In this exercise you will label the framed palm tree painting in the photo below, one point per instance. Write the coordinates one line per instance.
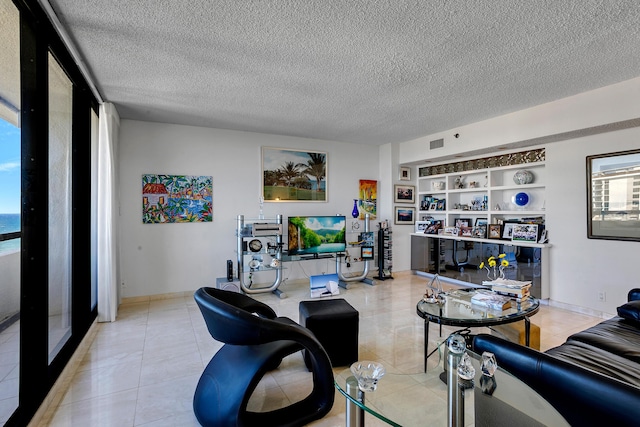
(293, 175)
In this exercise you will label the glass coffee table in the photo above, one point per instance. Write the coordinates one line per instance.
(417, 399)
(456, 310)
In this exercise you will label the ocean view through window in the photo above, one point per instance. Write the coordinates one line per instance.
(10, 208)
(10, 194)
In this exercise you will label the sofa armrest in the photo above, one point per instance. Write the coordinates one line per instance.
(633, 295)
(581, 396)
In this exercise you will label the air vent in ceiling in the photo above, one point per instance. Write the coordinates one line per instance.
(437, 143)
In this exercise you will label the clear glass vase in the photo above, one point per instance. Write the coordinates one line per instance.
(495, 273)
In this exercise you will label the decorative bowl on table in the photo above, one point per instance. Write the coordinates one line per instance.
(368, 374)
(433, 298)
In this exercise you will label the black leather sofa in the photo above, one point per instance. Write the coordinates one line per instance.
(591, 379)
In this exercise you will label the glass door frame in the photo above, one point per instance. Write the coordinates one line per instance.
(37, 376)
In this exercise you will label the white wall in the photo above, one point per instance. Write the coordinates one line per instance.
(158, 259)
(165, 258)
(389, 176)
(579, 267)
(582, 267)
(600, 107)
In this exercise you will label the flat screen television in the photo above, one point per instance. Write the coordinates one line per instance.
(316, 235)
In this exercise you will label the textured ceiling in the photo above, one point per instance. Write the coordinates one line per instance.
(354, 71)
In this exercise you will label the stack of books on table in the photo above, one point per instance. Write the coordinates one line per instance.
(515, 289)
(490, 300)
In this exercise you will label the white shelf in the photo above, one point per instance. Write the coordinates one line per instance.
(518, 212)
(495, 184)
(490, 241)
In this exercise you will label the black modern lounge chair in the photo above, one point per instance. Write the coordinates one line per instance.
(255, 340)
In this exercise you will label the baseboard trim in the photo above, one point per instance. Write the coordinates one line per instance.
(581, 310)
(189, 294)
(156, 297)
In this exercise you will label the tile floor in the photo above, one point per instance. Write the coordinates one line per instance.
(9, 370)
(142, 369)
(59, 332)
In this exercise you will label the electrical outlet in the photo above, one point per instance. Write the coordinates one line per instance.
(602, 296)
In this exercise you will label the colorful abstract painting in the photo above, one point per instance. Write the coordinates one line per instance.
(368, 195)
(176, 198)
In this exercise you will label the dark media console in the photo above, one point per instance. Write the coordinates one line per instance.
(316, 256)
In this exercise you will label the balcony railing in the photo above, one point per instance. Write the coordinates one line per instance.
(10, 284)
(10, 236)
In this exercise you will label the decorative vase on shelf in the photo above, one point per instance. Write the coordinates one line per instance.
(521, 199)
(523, 177)
(355, 213)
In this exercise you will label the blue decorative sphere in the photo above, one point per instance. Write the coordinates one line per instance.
(521, 199)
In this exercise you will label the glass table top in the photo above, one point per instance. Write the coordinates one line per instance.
(457, 309)
(416, 399)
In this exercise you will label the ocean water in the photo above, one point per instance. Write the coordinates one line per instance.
(8, 224)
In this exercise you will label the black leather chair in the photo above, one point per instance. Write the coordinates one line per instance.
(255, 340)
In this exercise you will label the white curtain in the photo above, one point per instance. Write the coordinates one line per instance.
(108, 278)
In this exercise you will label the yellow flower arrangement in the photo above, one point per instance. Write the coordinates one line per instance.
(492, 263)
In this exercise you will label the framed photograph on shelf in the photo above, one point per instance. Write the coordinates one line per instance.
(452, 231)
(367, 238)
(422, 225)
(480, 221)
(433, 227)
(463, 222)
(480, 232)
(405, 173)
(404, 193)
(612, 182)
(367, 252)
(507, 230)
(495, 231)
(442, 205)
(525, 233)
(433, 206)
(543, 236)
(466, 231)
(424, 203)
(405, 215)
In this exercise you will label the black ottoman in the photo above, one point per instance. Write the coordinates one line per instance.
(335, 323)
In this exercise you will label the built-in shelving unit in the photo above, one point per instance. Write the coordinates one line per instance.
(483, 193)
(482, 189)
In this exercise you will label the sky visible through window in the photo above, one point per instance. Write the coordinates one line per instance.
(9, 168)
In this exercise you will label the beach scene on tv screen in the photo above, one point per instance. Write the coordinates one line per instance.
(316, 234)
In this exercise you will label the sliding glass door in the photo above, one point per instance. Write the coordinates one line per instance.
(60, 172)
(48, 137)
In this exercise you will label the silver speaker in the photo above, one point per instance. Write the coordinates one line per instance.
(230, 286)
(222, 283)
